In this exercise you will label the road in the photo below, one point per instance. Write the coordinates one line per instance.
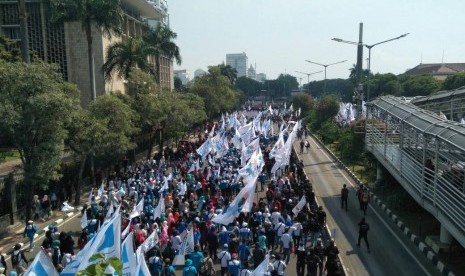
(391, 252)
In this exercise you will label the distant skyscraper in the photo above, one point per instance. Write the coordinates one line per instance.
(251, 74)
(199, 73)
(261, 77)
(238, 62)
(183, 75)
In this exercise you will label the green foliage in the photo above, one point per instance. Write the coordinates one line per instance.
(216, 91)
(453, 82)
(250, 87)
(329, 131)
(118, 117)
(351, 145)
(9, 50)
(178, 84)
(303, 101)
(419, 85)
(282, 86)
(384, 84)
(343, 89)
(326, 109)
(35, 107)
(366, 74)
(107, 15)
(123, 56)
(229, 72)
(160, 39)
(98, 269)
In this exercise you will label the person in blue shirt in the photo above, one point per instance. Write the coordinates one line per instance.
(244, 254)
(167, 269)
(196, 257)
(29, 232)
(224, 235)
(234, 265)
(189, 269)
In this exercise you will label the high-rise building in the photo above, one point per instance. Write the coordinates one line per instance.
(183, 75)
(251, 73)
(238, 62)
(261, 77)
(66, 44)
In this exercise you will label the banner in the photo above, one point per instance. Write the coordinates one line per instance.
(150, 242)
(205, 148)
(187, 247)
(128, 256)
(262, 268)
(84, 221)
(300, 205)
(42, 265)
(160, 208)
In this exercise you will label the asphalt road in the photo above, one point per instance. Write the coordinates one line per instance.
(391, 252)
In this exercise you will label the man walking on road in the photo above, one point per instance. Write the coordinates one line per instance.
(344, 196)
(363, 233)
(29, 232)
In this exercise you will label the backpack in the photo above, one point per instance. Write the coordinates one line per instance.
(166, 271)
(15, 258)
(203, 267)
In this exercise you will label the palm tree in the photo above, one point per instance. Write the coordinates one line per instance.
(105, 15)
(161, 40)
(229, 72)
(123, 56)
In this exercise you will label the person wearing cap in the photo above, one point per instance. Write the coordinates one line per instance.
(245, 232)
(189, 269)
(234, 265)
(224, 257)
(29, 232)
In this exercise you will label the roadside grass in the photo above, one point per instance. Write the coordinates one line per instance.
(9, 155)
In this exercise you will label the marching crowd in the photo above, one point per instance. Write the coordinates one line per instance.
(261, 240)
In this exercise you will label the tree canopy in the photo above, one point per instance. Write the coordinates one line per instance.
(453, 82)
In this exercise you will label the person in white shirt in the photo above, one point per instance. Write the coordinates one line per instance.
(275, 216)
(176, 242)
(224, 257)
(296, 229)
(286, 241)
(279, 229)
(279, 265)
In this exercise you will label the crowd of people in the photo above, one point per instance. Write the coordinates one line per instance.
(193, 195)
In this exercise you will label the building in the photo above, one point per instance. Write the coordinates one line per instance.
(199, 73)
(439, 71)
(261, 77)
(66, 45)
(251, 74)
(183, 75)
(238, 62)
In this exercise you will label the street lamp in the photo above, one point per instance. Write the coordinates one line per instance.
(308, 77)
(325, 66)
(369, 52)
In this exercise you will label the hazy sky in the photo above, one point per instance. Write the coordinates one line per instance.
(280, 35)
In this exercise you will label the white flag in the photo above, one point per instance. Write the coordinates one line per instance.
(160, 208)
(187, 247)
(141, 269)
(262, 268)
(128, 256)
(150, 242)
(84, 221)
(138, 209)
(42, 265)
(300, 205)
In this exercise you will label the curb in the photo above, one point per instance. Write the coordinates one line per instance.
(25, 242)
(425, 249)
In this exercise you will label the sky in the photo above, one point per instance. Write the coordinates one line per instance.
(278, 36)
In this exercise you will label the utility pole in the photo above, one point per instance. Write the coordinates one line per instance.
(359, 68)
(23, 31)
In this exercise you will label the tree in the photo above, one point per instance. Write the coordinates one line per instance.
(384, 84)
(98, 268)
(282, 86)
(9, 50)
(161, 40)
(303, 101)
(326, 109)
(342, 88)
(366, 74)
(250, 87)
(422, 85)
(178, 84)
(229, 72)
(124, 55)
(453, 82)
(216, 91)
(105, 15)
(35, 107)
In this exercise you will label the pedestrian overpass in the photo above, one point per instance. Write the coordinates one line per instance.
(426, 154)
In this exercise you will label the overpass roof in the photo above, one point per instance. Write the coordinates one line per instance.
(440, 95)
(423, 120)
(143, 8)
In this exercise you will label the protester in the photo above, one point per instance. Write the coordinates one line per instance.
(29, 231)
(18, 260)
(363, 233)
(344, 196)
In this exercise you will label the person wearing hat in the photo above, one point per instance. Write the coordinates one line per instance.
(29, 232)
(234, 265)
(189, 269)
(224, 257)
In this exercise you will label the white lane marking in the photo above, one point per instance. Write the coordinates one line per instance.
(382, 220)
